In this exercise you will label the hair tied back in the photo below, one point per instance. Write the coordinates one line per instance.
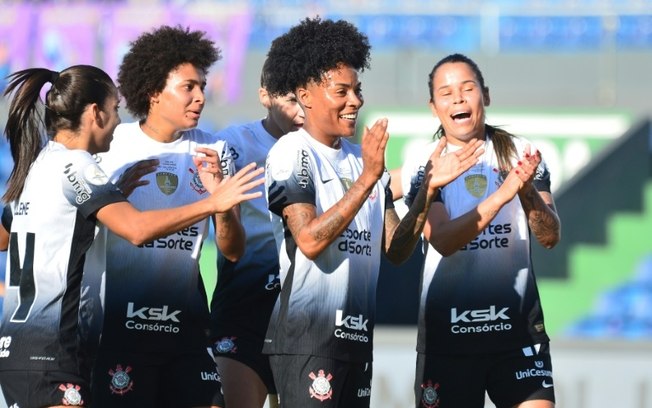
(54, 75)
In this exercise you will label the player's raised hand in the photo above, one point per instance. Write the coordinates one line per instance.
(230, 191)
(209, 167)
(442, 168)
(374, 143)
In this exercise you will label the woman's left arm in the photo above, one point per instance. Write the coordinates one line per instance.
(539, 206)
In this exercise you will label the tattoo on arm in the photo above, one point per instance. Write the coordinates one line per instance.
(542, 218)
(405, 234)
(223, 224)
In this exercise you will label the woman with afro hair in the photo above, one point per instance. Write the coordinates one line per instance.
(153, 350)
(333, 218)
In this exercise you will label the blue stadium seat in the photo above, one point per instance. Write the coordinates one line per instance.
(536, 33)
(622, 312)
(634, 31)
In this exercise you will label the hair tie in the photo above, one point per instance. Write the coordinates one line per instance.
(54, 75)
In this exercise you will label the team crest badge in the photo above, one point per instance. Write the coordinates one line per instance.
(226, 345)
(167, 182)
(321, 386)
(430, 396)
(476, 184)
(71, 395)
(121, 382)
(196, 183)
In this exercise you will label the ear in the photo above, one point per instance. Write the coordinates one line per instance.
(96, 113)
(304, 97)
(485, 95)
(154, 99)
(264, 98)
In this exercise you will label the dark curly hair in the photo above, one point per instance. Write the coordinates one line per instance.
(145, 68)
(311, 48)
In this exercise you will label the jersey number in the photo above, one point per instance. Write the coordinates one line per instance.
(22, 278)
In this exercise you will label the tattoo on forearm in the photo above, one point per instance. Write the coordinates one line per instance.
(223, 224)
(541, 218)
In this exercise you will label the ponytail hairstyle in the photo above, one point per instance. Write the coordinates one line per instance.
(71, 92)
(502, 140)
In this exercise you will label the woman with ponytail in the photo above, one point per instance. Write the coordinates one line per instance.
(58, 201)
(480, 327)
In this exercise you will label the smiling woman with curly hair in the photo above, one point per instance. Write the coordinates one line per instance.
(333, 218)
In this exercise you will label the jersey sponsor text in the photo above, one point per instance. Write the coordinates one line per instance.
(175, 241)
(82, 191)
(490, 317)
(357, 323)
(351, 242)
(303, 175)
(5, 342)
(163, 318)
(490, 238)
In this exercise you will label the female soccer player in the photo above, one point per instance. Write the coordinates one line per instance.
(333, 218)
(481, 326)
(57, 194)
(247, 289)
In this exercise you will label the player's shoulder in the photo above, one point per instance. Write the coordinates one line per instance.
(200, 136)
(57, 152)
(291, 142)
(239, 134)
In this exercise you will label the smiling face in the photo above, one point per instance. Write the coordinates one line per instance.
(331, 107)
(179, 105)
(459, 102)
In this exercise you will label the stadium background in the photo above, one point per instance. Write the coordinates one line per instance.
(573, 76)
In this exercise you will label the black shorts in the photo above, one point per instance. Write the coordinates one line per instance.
(155, 379)
(309, 381)
(44, 389)
(249, 351)
(510, 378)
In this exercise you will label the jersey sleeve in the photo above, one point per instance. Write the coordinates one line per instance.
(413, 171)
(386, 181)
(7, 217)
(86, 186)
(226, 158)
(289, 178)
(542, 177)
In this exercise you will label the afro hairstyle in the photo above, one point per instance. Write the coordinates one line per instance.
(145, 67)
(310, 49)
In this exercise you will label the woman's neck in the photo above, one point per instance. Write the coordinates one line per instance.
(157, 132)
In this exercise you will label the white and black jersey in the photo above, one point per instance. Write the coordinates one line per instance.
(155, 299)
(484, 297)
(327, 306)
(247, 289)
(54, 241)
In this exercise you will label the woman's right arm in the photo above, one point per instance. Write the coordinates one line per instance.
(448, 236)
(139, 227)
